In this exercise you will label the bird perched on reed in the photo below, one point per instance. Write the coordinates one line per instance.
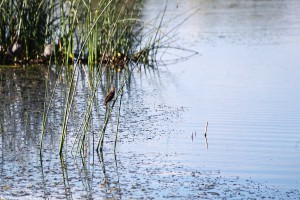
(109, 96)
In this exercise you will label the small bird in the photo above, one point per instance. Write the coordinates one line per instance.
(15, 49)
(109, 96)
(48, 51)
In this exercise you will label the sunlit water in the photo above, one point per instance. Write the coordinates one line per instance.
(244, 82)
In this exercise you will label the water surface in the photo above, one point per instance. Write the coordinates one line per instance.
(244, 82)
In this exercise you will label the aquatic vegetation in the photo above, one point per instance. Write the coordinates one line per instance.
(66, 31)
(105, 39)
(103, 35)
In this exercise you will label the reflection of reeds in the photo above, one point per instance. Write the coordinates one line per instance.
(64, 169)
(109, 109)
(115, 43)
(112, 43)
(118, 121)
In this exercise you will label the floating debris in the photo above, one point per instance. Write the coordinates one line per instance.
(205, 134)
(205, 129)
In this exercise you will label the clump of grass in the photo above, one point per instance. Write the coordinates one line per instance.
(109, 28)
(20, 19)
(105, 40)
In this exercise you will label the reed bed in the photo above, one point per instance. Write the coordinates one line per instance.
(89, 31)
(101, 38)
(105, 39)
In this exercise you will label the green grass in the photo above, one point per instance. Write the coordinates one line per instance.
(92, 32)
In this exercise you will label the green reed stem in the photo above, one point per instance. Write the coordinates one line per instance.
(72, 89)
(47, 108)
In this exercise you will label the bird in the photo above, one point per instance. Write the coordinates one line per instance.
(15, 49)
(48, 51)
(109, 96)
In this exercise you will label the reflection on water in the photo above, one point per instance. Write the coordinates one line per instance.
(22, 99)
(245, 83)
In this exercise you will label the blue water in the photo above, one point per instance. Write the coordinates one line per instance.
(244, 81)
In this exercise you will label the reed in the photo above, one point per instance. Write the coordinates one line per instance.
(109, 27)
(20, 19)
(108, 36)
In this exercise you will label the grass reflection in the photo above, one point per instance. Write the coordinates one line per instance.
(65, 103)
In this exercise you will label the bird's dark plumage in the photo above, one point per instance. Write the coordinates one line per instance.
(109, 96)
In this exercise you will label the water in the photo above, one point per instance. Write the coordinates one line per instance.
(244, 82)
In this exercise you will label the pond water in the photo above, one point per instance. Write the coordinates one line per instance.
(244, 82)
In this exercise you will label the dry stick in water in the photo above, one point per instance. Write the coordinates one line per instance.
(205, 135)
